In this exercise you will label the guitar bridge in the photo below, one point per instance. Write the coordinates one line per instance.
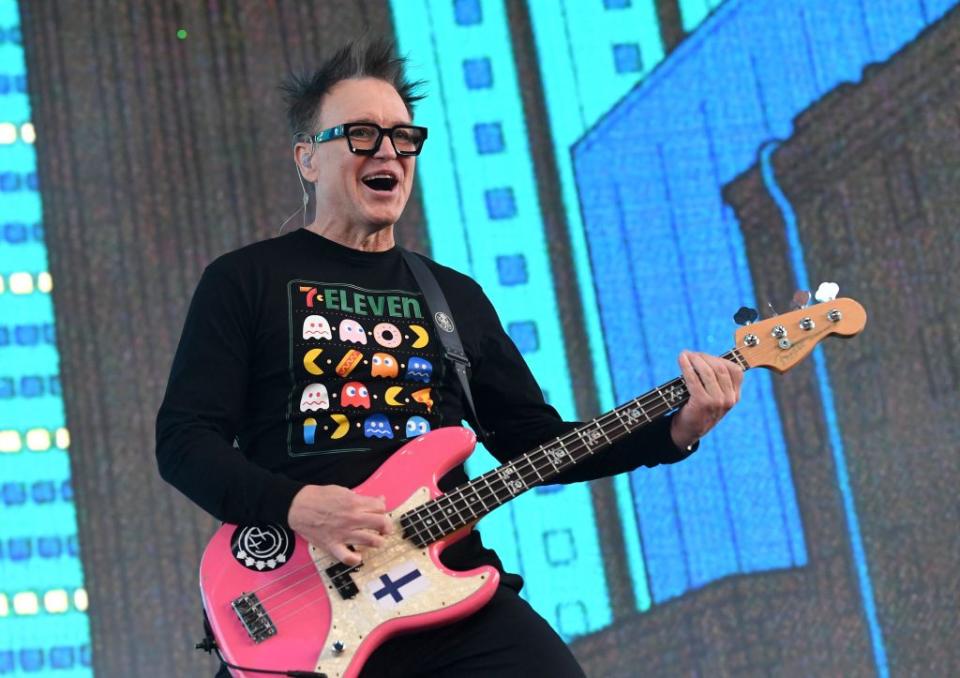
(254, 617)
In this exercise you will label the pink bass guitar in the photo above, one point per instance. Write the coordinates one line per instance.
(277, 604)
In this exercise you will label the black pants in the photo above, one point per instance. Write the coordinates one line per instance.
(504, 639)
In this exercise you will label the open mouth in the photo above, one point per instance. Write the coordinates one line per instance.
(383, 182)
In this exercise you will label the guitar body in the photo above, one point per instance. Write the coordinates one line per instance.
(275, 602)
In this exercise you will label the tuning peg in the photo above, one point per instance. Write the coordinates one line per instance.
(745, 315)
(800, 299)
(827, 291)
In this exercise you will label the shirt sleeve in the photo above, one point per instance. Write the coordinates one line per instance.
(510, 404)
(203, 405)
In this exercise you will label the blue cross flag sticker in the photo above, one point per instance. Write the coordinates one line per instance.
(397, 585)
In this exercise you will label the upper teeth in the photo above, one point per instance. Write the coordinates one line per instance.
(380, 176)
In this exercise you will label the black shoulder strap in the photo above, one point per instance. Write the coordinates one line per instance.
(447, 331)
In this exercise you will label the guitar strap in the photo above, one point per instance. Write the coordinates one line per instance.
(446, 330)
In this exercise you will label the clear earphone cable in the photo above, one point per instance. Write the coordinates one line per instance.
(303, 186)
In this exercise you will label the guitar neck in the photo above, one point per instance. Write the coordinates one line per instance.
(471, 501)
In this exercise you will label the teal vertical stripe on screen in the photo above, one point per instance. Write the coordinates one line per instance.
(589, 58)
(591, 55)
(483, 217)
(44, 628)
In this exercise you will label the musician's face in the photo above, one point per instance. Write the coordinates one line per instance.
(343, 179)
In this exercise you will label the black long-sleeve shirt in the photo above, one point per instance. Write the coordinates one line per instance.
(306, 362)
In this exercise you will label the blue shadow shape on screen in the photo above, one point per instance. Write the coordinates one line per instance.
(670, 267)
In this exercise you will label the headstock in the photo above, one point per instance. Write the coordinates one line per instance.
(781, 342)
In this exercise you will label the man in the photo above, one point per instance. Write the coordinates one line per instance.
(307, 359)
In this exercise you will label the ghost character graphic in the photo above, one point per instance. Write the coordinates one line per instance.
(355, 394)
(377, 426)
(316, 327)
(314, 398)
(383, 365)
(350, 330)
(419, 369)
(417, 426)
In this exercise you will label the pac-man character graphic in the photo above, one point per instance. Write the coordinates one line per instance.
(384, 365)
(351, 331)
(310, 430)
(354, 394)
(377, 426)
(343, 425)
(316, 327)
(390, 397)
(423, 397)
(314, 398)
(423, 337)
(417, 426)
(310, 361)
(349, 360)
(419, 369)
(387, 335)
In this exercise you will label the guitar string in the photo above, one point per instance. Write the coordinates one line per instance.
(434, 508)
(388, 556)
(532, 463)
(530, 458)
(377, 563)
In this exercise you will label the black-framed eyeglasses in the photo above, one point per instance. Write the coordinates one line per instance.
(364, 138)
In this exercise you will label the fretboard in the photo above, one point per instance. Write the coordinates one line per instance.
(471, 501)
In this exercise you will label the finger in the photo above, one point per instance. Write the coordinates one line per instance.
(364, 538)
(344, 554)
(726, 385)
(736, 378)
(372, 521)
(707, 376)
(690, 376)
(736, 375)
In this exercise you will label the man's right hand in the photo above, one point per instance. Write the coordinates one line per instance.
(332, 517)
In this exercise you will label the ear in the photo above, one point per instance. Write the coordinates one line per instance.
(306, 158)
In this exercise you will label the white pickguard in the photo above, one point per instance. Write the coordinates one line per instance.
(413, 585)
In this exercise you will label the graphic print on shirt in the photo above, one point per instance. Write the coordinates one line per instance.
(364, 366)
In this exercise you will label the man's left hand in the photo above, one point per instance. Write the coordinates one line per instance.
(714, 386)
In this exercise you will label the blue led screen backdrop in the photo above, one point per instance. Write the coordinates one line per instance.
(620, 176)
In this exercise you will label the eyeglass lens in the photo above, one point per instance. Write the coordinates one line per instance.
(405, 139)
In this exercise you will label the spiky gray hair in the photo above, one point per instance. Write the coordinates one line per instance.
(376, 58)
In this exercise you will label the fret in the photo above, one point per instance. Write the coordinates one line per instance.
(739, 358)
(529, 460)
(512, 480)
(553, 456)
(549, 455)
(561, 455)
(477, 497)
(591, 439)
(429, 523)
(463, 520)
(603, 432)
(633, 413)
(496, 499)
(446, 510)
